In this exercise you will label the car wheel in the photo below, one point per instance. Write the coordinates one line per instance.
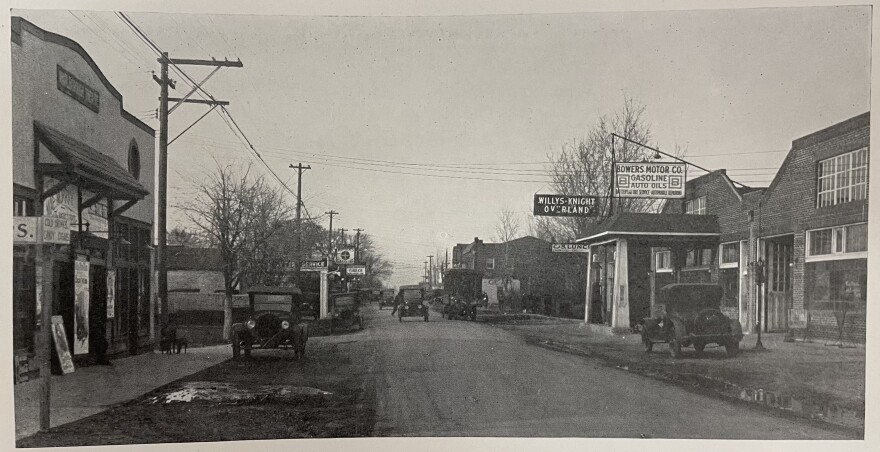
(698, 348)
(732, 347)
(675, 343)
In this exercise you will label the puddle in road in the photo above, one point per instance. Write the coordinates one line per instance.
(829, 412)
(221, 392)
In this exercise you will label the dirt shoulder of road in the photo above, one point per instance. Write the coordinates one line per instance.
(808, 380)
(260, 397)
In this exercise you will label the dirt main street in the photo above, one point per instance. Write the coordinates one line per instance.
(412, 378)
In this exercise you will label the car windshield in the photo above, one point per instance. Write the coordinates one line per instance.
(272, 302)
(410, 295)
(344, 301)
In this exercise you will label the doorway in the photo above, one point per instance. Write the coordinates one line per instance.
(97, 308)
(778, 258)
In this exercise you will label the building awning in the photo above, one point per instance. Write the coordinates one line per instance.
(86, 167)
(655, 226)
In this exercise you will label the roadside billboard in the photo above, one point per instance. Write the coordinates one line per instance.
(649, 180)
(566, 206)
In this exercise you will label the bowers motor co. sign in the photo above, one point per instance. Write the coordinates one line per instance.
(566, 206)
(649, 180)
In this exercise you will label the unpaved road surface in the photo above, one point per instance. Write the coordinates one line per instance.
(416, 378)
(457, 378)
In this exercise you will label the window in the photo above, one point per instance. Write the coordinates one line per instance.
(134, 160)
(22, 207)
(838, 242)
(696, 206)
(843, 178)
(663, 260)
(729, 255)
(700, 257)
(490, 264)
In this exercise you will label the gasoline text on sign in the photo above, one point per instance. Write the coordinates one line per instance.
(649, 180)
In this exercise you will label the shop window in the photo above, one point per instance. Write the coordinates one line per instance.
(729, 255)
(842, 179)
(490, 264)
(696, 206)
(663, 261)
(699, 257)
(828, 283)
(838, 242)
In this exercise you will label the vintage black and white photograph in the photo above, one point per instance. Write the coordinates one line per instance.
(639, 221)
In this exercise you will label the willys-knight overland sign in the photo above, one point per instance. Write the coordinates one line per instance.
(649, 180)
(566, 206)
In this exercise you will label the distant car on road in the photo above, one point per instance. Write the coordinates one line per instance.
(412, 303)
(345, 310)
(692, 317)
(273, 321)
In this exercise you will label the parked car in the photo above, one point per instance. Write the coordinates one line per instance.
(412, 303)
(345, 311)
(273, 321)
(310, 305)
(692, 317)
(460, 308)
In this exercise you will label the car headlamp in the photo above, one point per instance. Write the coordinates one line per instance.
(251, 324)
(285, 325)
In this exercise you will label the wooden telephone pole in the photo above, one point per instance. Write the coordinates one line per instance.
(330, 235)
(297, 258)
(162, 195)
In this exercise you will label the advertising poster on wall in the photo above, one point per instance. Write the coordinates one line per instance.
(111, 294)
(59, 336)
(81, 316)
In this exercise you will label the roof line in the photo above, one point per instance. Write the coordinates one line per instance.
(19, 23)
(678, 234)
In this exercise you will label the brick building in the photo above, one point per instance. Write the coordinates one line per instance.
(807, 233)
(525, 266)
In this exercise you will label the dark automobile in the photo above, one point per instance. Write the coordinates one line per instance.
(387, 298)
(412, 303)
(273, 321)
(460, 308)
(310, 305)
(692, 317)
(345, 311)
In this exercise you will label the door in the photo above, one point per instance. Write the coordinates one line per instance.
(778, 252)
(97, 307)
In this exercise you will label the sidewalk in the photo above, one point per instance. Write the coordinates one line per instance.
(93, 389)
(808, 379)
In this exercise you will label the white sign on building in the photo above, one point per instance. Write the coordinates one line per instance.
(649, 180)
(63, 205)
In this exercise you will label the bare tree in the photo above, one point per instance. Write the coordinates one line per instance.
(378, 268)
(583, 167)
(186, 238)
(239, 213)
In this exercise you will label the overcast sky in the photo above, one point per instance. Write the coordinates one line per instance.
(376, 104)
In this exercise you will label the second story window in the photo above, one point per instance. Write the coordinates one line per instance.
(490, 264)
(696, 206)
(843, 178)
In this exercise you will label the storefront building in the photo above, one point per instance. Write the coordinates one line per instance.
(806, 235)
(78, 155)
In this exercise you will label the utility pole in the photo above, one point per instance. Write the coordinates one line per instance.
(357, 245)
(342, 233)
(162, 195)
(431, 271)
(330, 235)
(297, 259)
(426, 271)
